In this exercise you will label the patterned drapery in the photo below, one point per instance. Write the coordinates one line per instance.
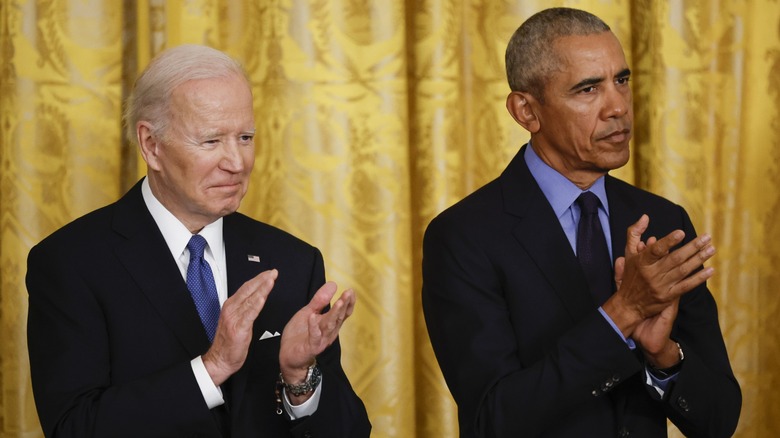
(372, 117)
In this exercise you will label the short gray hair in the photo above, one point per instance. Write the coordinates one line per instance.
(529, 55)
(151, 95)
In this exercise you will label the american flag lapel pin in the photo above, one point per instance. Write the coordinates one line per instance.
(253, 258)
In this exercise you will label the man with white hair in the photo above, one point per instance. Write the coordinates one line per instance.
(167, 313)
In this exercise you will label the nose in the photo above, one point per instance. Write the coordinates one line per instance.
(232, 159)
(617, 102)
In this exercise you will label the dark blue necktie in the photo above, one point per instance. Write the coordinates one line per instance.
(592, 249)
(200, 282)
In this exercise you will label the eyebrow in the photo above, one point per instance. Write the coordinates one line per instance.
(593, 81)
(219, 133)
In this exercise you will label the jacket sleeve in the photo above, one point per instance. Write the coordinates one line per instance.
(705, 399)
(70, 362)
(503, 388)
(500, 389)
(340, 412)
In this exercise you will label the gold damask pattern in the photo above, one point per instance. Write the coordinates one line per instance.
(707, 87)
(372, 117)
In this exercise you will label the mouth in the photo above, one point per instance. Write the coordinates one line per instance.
(227, 186)
(618, 136)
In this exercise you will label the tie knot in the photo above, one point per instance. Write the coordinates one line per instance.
(196, 245)
(588, 202)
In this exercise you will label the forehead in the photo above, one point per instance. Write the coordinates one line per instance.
(588, 56)
(207, 104)
(212, 92)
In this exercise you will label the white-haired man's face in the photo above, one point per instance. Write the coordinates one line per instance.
(200, 169)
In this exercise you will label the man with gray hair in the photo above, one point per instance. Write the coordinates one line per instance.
(167, 313)
(561, 301)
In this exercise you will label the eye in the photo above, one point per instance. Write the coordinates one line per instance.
(588, 90)
(622, 80)
(246, 138)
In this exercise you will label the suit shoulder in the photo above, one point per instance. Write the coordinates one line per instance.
(256, 229)
(641, 196)
(81, 229)
(665, 215)
(468, 213)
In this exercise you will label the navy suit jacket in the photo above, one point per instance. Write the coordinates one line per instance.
(521, 343)
(112, 329)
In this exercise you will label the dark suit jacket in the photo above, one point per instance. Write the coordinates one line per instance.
(112, 329)
(521, 343)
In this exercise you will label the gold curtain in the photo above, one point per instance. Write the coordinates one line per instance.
(372, 117)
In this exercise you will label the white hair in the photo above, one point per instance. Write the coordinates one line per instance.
(150, 97)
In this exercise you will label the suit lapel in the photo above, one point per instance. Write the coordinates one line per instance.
(145, 255)
(623, 212)
(539, 232)
(244, 261)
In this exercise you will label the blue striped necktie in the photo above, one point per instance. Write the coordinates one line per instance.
(200, 282)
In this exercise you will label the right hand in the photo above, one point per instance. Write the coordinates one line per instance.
(234, 330)
(651, 277)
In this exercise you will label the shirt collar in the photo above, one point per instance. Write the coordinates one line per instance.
(559, 191)
(174, 232)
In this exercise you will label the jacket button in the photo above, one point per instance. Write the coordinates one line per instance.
(683, 404)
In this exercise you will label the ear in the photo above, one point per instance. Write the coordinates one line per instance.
(521, 106)
(149, 144)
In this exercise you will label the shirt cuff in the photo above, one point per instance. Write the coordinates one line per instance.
(306, 408)
(630, 342)
(660, 385)
(211, 392)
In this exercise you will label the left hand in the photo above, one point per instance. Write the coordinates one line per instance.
(309, 332)
(652, 335)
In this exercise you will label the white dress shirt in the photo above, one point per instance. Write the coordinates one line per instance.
(177, 236)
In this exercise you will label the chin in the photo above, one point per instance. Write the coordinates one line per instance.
(615, 160)
(225, 207)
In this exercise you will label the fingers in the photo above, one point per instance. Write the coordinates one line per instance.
(620, 266)
(323, 329)
(322, 297)
(690, 256)
(634, 235)
(339, 312)
(661, 247)
(240, 310)
(261, 285)
(351, 298)
(686, 258)
(252, 295)
(676, 272)
(234, 330)
(692, 281)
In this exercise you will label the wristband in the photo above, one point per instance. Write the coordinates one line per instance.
(665, 373)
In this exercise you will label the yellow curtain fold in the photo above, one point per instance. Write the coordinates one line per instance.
(59, 153)
(372, 117)
(708, 83)
(333, 168)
